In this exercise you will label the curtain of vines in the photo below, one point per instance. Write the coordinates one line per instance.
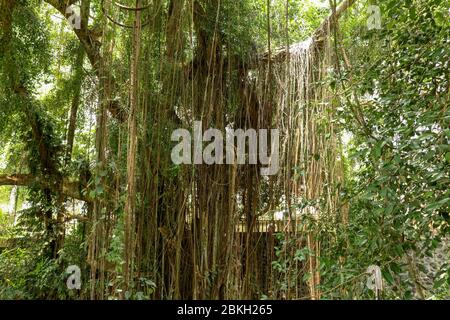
(178, 225)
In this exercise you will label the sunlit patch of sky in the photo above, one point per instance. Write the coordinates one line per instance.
(3, 159)
(3, 162)
(61, 24)
(321, 3)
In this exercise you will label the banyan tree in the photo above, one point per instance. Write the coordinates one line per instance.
(141, 69)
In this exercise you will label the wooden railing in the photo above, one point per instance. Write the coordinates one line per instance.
(269, 226)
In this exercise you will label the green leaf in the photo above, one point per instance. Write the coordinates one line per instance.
(387, 275)
(447, 157)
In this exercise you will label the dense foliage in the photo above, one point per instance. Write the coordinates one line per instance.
(69, 100)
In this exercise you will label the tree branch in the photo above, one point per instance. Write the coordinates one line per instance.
(71, 189)
(318, 35)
